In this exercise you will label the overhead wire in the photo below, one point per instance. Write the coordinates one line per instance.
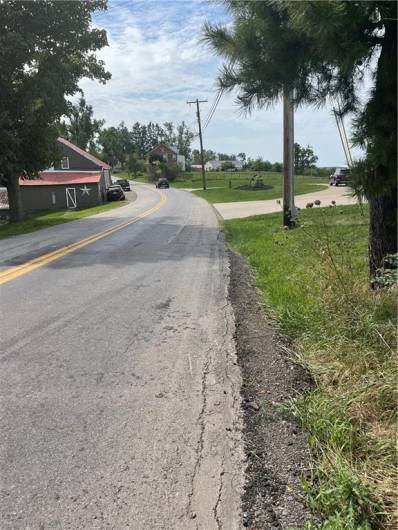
(213, 108)
(216, 101)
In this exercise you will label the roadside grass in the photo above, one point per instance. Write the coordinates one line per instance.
(220, 181)
(314, 281)
(44, 219)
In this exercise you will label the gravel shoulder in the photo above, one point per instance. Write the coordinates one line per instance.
(276, 447)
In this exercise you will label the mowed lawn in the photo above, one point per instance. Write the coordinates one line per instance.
(314, 281)
(224, 187)
(46, 218)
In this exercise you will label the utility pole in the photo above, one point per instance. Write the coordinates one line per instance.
(197, 101)
(289, 209)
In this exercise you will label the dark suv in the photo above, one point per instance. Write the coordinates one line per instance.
(124, 183)
(340, 176)
(115, 193)
(162, 183)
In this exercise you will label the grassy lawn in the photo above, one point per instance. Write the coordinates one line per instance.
(314, 281)
(225, 193)
(221, 180)
(45, 218)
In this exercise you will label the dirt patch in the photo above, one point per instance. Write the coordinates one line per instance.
(247, 187)
(276, 447)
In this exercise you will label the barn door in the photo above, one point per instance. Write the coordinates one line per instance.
(71, 198)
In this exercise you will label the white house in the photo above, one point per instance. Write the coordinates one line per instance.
(216, 165)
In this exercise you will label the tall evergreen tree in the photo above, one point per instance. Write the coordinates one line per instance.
(322, 49)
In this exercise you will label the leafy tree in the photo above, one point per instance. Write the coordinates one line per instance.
(224, 156)
(228, 164)
(184, 137)
(117, 144)
(208, 154)
(167, 135)
(112, 149)
(277, 167)
(304, 158)
(242, 157)
(138, 138)
(81, 128)
(259, 165)
(321, 49)
(134, 164)
(46, 47)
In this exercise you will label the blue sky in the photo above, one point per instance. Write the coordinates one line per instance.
(158, 62)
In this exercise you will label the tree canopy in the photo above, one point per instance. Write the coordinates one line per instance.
(80, 127)
(304, 158)
(46, 47)
(119, 142)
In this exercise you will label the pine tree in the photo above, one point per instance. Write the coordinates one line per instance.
(322, 49)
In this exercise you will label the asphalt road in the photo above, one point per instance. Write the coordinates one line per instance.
(119, 389)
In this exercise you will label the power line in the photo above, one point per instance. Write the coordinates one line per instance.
(213, 108)
(217, 99)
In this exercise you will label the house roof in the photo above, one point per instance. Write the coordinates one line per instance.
(84, 153)
(54, 178)
(169, 147)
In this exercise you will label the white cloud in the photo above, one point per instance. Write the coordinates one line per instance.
(158, 62)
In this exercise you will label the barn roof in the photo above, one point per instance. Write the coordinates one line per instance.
(54, 178)
(84, 153)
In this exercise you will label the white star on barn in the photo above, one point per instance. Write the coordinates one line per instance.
(85, 190)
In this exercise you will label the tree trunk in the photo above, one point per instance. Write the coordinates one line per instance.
(15, 200)
(381, 128)
(382, 230)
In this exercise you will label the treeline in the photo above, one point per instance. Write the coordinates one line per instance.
(304, 161)
(128, 147)
(116, 145)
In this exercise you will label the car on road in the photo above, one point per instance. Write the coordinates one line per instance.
(162, 183)
(115, 193)
(340, 176)
(124, 183)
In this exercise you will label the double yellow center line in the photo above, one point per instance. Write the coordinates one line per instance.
(29, 266)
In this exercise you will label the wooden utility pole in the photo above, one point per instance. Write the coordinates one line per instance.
(289, 209)
(197, 101)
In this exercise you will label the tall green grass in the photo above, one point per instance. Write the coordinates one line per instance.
(315, 282)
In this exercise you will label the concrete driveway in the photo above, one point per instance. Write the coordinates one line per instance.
(237, 210)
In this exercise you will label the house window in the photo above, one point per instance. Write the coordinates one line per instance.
(65, 162)
(174, 157)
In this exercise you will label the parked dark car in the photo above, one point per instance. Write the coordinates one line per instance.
(124, 183)
(162, 183)
(115, 193)
(340, 176)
